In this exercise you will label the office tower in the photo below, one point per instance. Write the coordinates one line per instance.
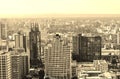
(89, 48)
(19, 65)
(35, 45)
(3, 31)
(3, 37)
(58, 58)
(3, 45)
(75, 52)
(76, 44)
(5, 66)
(20, 41)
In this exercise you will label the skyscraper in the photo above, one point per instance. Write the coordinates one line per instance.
(20, 41)
(88, 48)
(58, 58)
(3, 45)
(3, 31)
(5, 66)
(3, 37)
(19, 65)
(13, 65)
(35, 45)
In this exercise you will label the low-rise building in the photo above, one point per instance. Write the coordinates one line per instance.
(101, 65)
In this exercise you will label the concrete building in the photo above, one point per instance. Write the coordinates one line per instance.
(19, 65)
(13, 65)
(74, 68)
(108, 55)
(3, 45)
(76, 44)
(58, 59)
(5, 66)
(3, 31)
(3, 37)
(20, 41)
(101, 65)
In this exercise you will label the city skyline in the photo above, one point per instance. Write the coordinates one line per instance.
(36, 8)
(54, 57)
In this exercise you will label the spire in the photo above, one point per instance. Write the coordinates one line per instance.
(34, 26)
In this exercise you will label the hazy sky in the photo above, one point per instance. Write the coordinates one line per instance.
(32, 7)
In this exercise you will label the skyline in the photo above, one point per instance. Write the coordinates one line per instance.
(35, 8)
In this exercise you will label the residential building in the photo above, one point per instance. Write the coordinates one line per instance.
(5, 66)
(58, 58)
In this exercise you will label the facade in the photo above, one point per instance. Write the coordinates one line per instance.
(42, 53)
(58, 59)
(19, 65)
(87, 48)
(5, 66)
(76, 44)
(13, 66)
(20, 41)
(35, 45)
(101, 65)
(74, 68)
(3, 45)
(3, 37)
(3, 31)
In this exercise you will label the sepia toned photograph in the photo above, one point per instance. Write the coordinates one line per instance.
(59, 39)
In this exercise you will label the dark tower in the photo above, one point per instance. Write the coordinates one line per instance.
(35, 46)
(25, 43)
(86, 49)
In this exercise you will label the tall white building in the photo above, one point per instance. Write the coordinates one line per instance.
(58, 59)
(5, 66)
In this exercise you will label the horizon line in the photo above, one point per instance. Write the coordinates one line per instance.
(56, 15)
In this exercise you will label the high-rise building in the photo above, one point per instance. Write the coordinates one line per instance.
(87, 48)
(19, 65)
(76, 44)
(13, 65)
(5, 66)
(3, 31)
(3, 45)
(35, 45)
(3, 37)
(20, 41)
(58, 58)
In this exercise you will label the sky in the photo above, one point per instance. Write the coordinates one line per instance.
(45, 7)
